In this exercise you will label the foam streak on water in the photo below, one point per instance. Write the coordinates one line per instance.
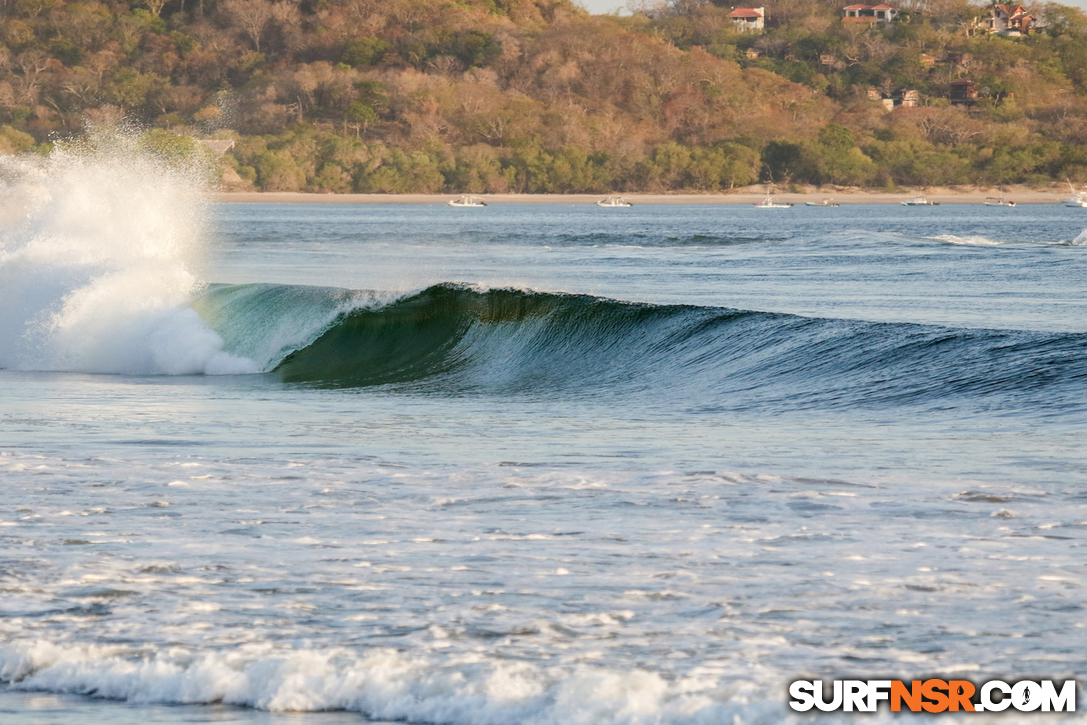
(98, 245)
(428, 596)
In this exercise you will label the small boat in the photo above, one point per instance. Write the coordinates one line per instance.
(999, 201)
(919, 201)
(467, 200)
(824, 202)
(1079, 199)
(771, 203)
(614, 202)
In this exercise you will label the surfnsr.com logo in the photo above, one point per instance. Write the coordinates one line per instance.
(933, 696)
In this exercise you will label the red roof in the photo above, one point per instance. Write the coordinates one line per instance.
(883, 7)
(745, 13)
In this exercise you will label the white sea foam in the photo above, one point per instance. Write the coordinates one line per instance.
(387, 684)
(977, 240)
(99, 244)
(465, 689)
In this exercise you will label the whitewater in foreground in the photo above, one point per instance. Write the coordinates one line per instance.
(539, 466)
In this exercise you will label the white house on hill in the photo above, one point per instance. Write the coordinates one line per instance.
(870, 14)
(1011, 20)
(748, 19)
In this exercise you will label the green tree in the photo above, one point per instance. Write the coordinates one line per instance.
(364, 51)
(279, 171)
(13, 141)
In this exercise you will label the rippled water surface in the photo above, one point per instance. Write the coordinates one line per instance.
(539, 463)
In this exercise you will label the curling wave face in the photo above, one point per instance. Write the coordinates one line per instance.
(457, 339)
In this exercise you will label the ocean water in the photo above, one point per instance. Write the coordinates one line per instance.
(526, 463)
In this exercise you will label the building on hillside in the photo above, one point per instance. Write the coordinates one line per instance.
(748, 20)
(870, 14)
(908, 97)
(964, 92)
(904, 97)
(1009, 20)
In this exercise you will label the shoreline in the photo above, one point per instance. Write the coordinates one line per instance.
(747, 196)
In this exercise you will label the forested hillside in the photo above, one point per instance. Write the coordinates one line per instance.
(538, 96)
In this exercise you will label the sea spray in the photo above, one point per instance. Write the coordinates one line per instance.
(99, 247)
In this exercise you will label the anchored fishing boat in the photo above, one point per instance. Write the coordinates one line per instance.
(1079, 199)
(771, 203)
(467, 200)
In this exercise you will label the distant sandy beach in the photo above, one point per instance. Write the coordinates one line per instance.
(748, 195)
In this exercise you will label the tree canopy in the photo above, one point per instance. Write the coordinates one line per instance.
(538, 96)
